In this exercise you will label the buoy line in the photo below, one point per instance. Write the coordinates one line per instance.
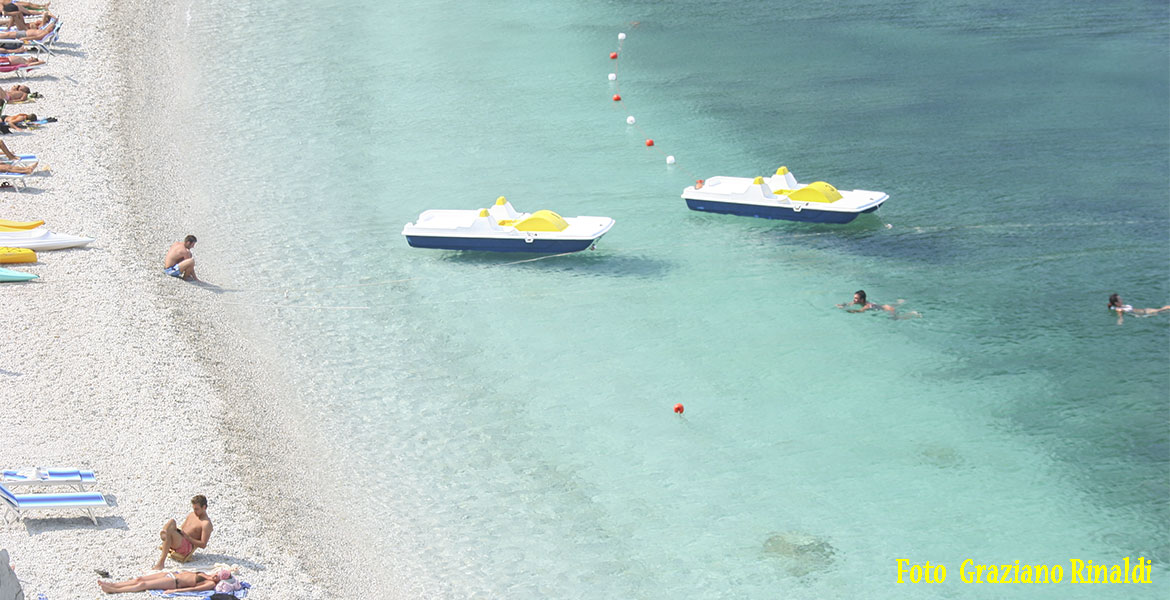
(633, 122)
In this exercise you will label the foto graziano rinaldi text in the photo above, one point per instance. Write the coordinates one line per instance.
(1078, 571)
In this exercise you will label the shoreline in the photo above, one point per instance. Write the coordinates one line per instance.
(114, 367)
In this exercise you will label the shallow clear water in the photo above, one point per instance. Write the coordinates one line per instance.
(519, 413)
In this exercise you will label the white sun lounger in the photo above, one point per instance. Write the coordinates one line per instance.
(74, 478)
(19, 504)
(17, 180)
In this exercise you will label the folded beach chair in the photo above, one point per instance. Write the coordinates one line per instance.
(19, 504)
(74, 478)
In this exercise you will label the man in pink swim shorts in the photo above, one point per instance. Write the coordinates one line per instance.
(180, 542)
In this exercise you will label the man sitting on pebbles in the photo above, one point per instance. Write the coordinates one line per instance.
(180, 542)
(178, 261)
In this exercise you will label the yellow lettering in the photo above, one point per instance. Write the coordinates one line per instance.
(1077, 566)
(963, 574)
(900, 571)
(1100, 574)
(1115, 574)
(1057, 572)
(1024, 574)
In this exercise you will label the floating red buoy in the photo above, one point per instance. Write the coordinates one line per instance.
(617, 98)
(678, 408)
(613, 54)
(649, 142)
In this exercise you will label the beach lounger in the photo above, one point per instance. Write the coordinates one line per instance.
(19, 504)
(45, 44)
(74, 478)
(14, 179)
(20, 70)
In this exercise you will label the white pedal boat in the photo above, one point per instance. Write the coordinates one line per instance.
(781, 197)
(41, 239)
(502, 229)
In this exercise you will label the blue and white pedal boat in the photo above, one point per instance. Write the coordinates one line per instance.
(502, 229)
(781, 197)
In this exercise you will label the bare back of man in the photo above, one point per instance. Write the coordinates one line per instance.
(179, 262)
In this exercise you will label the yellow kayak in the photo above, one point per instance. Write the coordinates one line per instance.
(17, 255)
(6, 225)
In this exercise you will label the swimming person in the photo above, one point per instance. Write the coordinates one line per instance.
(863, 304)
(1116, 305)
(174, 581)
(179, 262)
(180, 542)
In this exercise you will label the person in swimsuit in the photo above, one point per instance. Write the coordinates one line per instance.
(180, 542)
(179, 262)
(1121, 308)
(863, 304)
(17, 93)
(44, 28)
(174, 581)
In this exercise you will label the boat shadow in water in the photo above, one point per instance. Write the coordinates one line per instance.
(600, 264)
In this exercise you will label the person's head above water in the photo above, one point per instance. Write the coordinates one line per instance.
(859, 297)
(1114, 300)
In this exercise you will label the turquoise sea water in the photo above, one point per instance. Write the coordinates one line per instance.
(519, 414)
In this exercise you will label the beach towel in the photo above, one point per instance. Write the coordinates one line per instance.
(241, 593)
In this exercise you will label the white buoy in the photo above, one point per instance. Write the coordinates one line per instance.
(612, 76)
(670, 159)
(630, 120)
(621, 36)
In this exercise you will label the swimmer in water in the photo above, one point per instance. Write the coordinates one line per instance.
(861, 304)
(1116, 305)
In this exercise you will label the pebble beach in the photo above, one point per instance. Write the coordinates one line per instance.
(373, 420)
(108, 365)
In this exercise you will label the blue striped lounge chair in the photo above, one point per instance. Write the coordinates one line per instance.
(74, 478)
(19, 504)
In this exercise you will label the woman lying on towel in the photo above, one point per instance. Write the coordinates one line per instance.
(17, 93)
(175, 581)
(26, 120)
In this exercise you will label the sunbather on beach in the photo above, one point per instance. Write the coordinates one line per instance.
(1121, 308)
(31, 61)
(179, 263)
(38, 31)
(862, 304)
(13, 47)
(174, 581)
(180, 542)
(17, 93)
(24, 120)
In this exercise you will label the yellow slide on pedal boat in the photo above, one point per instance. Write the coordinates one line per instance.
(6, 225)
(10, 256)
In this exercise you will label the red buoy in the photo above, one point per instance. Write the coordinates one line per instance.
(678, 409)
(649, 142)
(613, 54)
(617, 98)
